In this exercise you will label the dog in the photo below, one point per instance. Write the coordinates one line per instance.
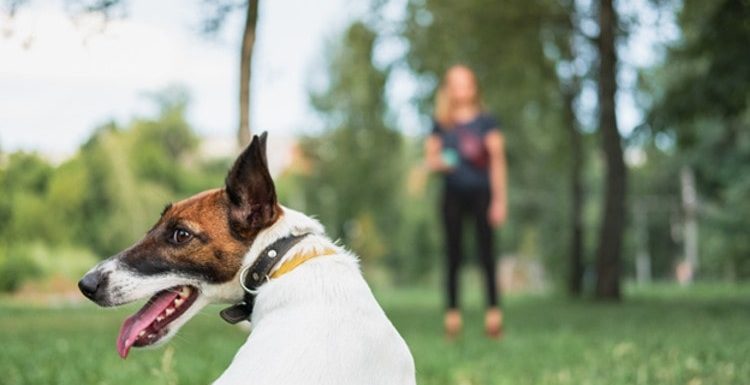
(314, 318)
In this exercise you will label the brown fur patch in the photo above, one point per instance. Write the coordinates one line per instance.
(213, 253)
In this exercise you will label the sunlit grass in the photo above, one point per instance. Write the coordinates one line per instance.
(662, 335)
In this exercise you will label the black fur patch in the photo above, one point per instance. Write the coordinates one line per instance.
(155, 264)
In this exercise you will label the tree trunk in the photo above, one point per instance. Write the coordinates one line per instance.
(642, 256)
(246, 59)
(575, 278)
(690, 224)
(611, 233)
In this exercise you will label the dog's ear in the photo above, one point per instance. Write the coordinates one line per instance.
(250, 189)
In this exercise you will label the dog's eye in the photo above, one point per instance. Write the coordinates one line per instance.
(180, 236)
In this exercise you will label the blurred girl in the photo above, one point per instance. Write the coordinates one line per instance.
(466, 147)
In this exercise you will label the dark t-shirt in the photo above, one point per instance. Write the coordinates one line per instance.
(467, 174)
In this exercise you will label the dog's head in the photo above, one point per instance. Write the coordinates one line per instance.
(190, 257)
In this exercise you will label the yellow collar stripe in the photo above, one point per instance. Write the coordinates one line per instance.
(298, 259)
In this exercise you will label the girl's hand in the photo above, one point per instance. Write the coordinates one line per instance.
(434, 155)
(435, 164)
(497, 213)
(439, 165)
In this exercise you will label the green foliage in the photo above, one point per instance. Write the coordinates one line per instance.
(133, 173)
(701, 95)
(61, 261)
(15, 268)
(162, 143)
(24, 183)
(32, 260)
(655, 202)
(705, 77)
(655, 342)
(26, 172)
(103, 198)
(355, 186)
(420, 238)
(68, 188)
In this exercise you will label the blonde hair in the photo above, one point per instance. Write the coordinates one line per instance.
(444, 106)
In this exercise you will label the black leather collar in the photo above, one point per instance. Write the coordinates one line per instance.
(251, 277)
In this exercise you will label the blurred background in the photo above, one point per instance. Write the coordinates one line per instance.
(627, 125)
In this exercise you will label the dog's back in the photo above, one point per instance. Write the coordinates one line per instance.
(320, 324)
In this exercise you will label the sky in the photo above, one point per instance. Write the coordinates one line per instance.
(62, 76)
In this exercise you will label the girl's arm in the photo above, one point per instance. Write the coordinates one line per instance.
(433, 148)
(498, 178)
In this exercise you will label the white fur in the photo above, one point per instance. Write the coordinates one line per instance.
(319, 323)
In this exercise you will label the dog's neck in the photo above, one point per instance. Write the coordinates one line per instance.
(297, 238)
(290, 222)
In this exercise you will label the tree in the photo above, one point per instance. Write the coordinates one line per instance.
(576, 256)
(218, 10)
(568, 38)
(246, 59)
(609, 249)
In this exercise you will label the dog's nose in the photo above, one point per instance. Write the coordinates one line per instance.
(90, 283)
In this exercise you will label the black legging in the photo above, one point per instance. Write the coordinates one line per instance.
(455, 206)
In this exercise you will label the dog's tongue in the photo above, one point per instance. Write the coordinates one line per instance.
(138, 322)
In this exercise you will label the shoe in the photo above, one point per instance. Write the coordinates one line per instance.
(453, 324)
(493, 323)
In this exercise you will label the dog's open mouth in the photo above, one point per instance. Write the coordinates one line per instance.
(150, 324)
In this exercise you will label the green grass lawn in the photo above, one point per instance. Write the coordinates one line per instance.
(661, 335)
